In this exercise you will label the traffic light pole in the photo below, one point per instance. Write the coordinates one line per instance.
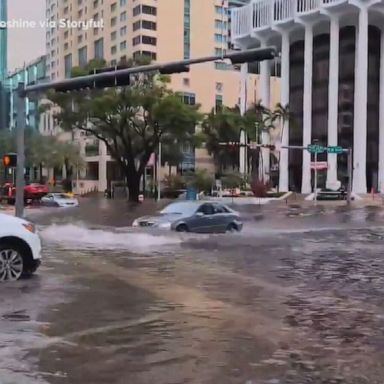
(20, 130)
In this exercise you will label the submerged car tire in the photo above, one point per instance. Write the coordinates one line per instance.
(182, 228)
(232, 227)
(13, 261)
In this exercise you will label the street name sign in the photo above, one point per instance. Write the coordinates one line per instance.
(315, 148)
(335, 149)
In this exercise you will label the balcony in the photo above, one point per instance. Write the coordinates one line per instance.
(261, 15)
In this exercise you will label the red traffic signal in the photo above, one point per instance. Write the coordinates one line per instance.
(10, 160)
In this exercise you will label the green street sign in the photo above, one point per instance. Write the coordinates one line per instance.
(335, 149)
(315, 148)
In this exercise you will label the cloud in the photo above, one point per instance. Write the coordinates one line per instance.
(25, 44)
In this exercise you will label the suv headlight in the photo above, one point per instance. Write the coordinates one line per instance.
(135, 223)
(30, 227)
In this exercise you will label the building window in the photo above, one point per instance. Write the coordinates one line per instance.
(123, 16)
(223, 66)
(113, 21)
(219, 87)
(220, 10)
(148, 40)
(99, 49)
(113, 7)
(145, 24)
(83, 60)
(220, 51)
(123, 31)
(220, 38)
(136, 25)
(151, 55)
(123, 45)
(137, 10)
(219, 103)
(186, 82)
(136, 40)
(187, 29)
(123, 2)
(189, 98)
(113, 36)
(113, 50)
(220, 24)
(68, 65)
(149, 10)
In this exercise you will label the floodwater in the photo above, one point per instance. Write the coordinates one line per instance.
(297, 297)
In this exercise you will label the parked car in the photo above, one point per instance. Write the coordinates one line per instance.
(32, 191)
(59, 200)
(20, 248)
(194, 216)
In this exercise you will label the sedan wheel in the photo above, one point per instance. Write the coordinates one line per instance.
(11, 264)
(232, 228)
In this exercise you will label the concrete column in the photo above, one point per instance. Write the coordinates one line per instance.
(283, 167)
(307, 107)
(381, 123)
(359, 184)
(102, 167)
(265, 83)
(333, 98)
(243, 153)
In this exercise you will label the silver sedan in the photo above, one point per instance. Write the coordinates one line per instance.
(194, 216)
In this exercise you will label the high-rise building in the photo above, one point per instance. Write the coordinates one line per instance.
(165, 30)
(332, 77)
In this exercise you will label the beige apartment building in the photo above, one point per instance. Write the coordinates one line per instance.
(166, 30)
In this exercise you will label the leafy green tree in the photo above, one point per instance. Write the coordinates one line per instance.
(129, 120)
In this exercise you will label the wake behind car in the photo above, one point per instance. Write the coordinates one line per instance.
(20, 248)
(59, 200)
(193, 216)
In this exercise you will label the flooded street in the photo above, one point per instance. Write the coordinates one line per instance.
(297, 297)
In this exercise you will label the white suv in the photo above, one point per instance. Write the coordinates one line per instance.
(20, 248)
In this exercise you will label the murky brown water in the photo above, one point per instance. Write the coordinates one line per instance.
(274, 305)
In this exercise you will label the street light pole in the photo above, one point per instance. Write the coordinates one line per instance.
(20, 129)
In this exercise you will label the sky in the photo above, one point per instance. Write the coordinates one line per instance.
(27, 44)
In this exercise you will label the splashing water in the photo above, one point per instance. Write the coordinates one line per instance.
(72, 237)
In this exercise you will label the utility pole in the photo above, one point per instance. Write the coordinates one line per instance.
(20, 129)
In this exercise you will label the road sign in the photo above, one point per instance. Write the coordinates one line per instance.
(319, 165)
(335, 149)
(315, 148)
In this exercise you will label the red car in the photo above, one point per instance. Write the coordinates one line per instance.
(31, 192)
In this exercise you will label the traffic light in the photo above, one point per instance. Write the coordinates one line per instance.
(10, 160)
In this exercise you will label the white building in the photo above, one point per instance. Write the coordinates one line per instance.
(332, 77)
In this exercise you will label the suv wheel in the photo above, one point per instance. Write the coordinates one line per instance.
(11, 262)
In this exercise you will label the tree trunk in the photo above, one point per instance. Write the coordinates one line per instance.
(133, 183)
(169, 170)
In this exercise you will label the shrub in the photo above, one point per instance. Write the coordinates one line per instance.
(259, 188)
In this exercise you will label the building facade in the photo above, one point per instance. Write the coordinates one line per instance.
(165, 30)
(33, 73)
(332, 77)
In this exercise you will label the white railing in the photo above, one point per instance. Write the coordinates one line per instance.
(241, 20)
(283, 10)
(304, 6)
(262, 14)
